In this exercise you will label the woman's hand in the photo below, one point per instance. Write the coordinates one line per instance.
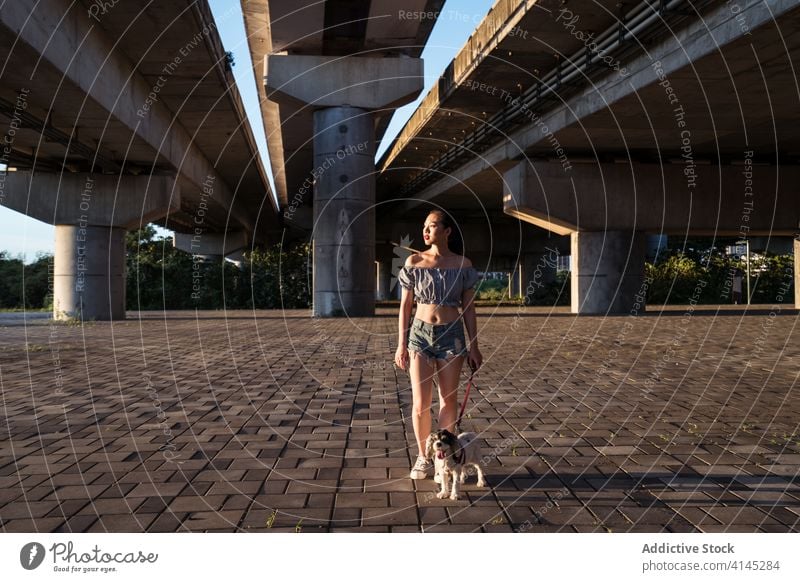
(475, 358)
(401, 357)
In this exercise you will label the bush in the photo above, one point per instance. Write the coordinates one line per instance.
(278, 279)
(10, 281)
(680, 275)
(673, 280)
(491, 290)
(38, 277)
(555, 292)
(774, 279)
(24, 286)
(163, 277)
(159, 275)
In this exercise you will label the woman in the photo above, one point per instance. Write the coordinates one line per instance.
(439, 280)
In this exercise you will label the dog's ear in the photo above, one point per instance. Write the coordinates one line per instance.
(429, 446)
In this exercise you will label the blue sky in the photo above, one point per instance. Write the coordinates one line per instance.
(25, 236)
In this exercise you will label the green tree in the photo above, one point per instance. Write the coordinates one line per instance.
(38, 277)
(674, 279)
(163, 277)
(159, 275)
(772, 278)
(10, 281)
(279, 278)
(25, 286)
(679, 274)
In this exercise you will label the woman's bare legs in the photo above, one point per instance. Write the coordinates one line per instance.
(449, 373)
(422, 393)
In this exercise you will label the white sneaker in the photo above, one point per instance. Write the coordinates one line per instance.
(422, 468)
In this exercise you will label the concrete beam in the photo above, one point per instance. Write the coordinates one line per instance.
(478, 232)
(739, 200)
(92, 199)
(259, 36)
(84, 55)
(363, 82)
(719, 27)
(91, 213)
(211, 243)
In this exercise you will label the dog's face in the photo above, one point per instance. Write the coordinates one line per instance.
(441, 444)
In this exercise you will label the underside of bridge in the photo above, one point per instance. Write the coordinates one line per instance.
(119, 115)
(604, 123)
(559, 128)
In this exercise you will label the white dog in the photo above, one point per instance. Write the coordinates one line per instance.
(451, 456)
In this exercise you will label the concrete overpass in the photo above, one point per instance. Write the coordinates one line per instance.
(329, 75)
(605, 122)
(116, 114)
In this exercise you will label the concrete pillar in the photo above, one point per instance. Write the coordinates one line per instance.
(515, 287)
(344, 214)
(344, 93)
(91, 213)
(520, 275)
(383, 280)
(607, 271)
(797, 273)
(89, 272)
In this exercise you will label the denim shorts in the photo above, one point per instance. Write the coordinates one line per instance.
(437, 341)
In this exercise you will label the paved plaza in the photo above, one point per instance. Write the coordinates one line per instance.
(270, 421)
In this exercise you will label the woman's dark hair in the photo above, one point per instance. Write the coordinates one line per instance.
(454, 241)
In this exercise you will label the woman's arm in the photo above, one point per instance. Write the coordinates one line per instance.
(475, 358)
(406, 305)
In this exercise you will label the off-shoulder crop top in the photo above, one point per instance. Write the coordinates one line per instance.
(436, 285)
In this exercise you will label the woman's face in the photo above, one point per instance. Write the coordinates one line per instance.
(434, 232)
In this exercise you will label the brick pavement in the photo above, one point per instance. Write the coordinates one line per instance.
(271, 421)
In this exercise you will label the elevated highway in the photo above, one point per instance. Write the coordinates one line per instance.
(117, 114)
(605, 122)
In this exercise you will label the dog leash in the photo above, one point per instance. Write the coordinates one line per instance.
(466, 399)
